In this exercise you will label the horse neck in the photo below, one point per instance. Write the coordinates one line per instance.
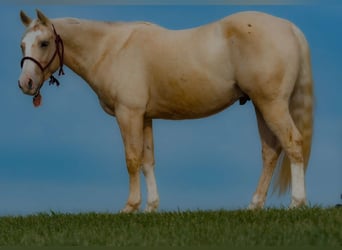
(83, 43)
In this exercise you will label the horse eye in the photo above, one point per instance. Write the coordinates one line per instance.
(44, 44)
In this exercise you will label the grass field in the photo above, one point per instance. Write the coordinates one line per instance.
(272, 227)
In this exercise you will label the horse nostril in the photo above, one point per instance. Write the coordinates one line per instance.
(30, 84)
(19, 84)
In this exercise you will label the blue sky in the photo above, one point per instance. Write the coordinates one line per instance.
(68, 156)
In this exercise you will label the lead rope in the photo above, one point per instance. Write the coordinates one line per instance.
(59, 42)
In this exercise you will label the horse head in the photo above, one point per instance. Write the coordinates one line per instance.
(41, 45)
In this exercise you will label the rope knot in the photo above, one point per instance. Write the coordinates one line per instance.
(53, 80)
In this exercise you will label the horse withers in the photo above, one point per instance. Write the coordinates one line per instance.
(141, 71)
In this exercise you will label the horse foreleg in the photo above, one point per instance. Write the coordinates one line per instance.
(148, 168)
(270, 153)
(131, 126)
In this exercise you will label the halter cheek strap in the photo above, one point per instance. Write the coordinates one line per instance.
(58, 52)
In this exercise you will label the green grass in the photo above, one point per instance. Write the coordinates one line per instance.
(272, 227)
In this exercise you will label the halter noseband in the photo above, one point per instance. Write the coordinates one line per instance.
(59, 51)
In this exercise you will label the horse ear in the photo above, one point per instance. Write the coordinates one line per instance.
(42, 18)
(25, 19)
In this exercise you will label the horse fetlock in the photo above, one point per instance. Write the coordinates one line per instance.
(257, 202)
(152, 206)
(256, 205)
(131, 207)
(297, 202)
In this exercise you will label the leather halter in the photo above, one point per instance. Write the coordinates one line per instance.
(59, 51)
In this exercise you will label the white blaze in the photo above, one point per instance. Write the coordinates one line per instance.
(28, 42)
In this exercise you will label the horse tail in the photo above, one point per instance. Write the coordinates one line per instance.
(301, 109)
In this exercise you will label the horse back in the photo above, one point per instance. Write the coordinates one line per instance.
(197, 72)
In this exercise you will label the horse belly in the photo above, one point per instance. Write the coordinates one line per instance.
(180, 100)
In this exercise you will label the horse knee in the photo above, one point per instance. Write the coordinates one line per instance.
(133, 164)
(147, 168)
(134, 156)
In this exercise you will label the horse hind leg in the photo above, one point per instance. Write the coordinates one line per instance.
(271, 150)
(278, 118)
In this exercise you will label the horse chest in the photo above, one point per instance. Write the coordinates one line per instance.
(109, 110)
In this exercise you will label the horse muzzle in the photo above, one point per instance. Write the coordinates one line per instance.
(28, 87)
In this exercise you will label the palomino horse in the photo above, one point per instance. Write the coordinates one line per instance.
(141, 71)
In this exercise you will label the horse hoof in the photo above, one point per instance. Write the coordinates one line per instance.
(255, 206)
(129, 209)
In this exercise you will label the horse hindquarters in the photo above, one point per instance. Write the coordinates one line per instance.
(290, 120)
